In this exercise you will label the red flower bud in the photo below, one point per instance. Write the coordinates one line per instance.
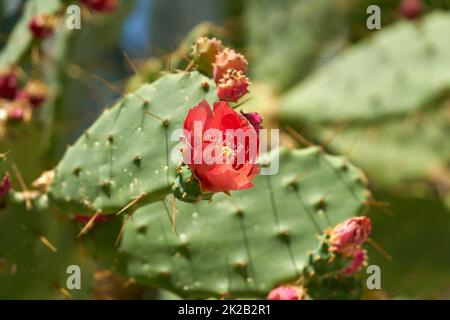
(101, 5)
(410, 9)
(232, 86)
(228, 59)
(8, 85)
(42, 26)
(221, 148)
(347, 236)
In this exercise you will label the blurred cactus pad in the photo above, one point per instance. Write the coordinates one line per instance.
(93, 178)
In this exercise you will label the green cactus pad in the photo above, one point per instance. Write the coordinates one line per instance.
(394, 72)
(402, 153)
(28, 268)
(246, 244)
(126, 153)
(100, 243)
(289, 37)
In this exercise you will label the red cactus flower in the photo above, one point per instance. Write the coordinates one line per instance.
(255, 120)
(85, 219)
(283, 293)
(34, 93)
(101, 5)
(220, 147)
(347, 236)
(5, 185)
(359, 257)
(233, 85)
(410, 9)
(228, 59)
(42, 26)
(8, 85)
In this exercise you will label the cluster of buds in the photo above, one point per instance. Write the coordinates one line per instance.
(17, 104)
(347, 239)
(227, 67)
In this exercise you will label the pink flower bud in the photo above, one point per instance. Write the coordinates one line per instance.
(283, 293)
(233, 85)
(255, 120)
(228, 59)
(350, 234)
(410, 9)
(8, 85)
(16, 114)
(358, 259)
(5, 185)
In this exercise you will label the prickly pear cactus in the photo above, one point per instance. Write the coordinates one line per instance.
(390, 113)
(378, 78)
(174, 233)
(251, 241)
(125, 155)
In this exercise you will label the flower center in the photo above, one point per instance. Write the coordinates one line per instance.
(227, 151)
